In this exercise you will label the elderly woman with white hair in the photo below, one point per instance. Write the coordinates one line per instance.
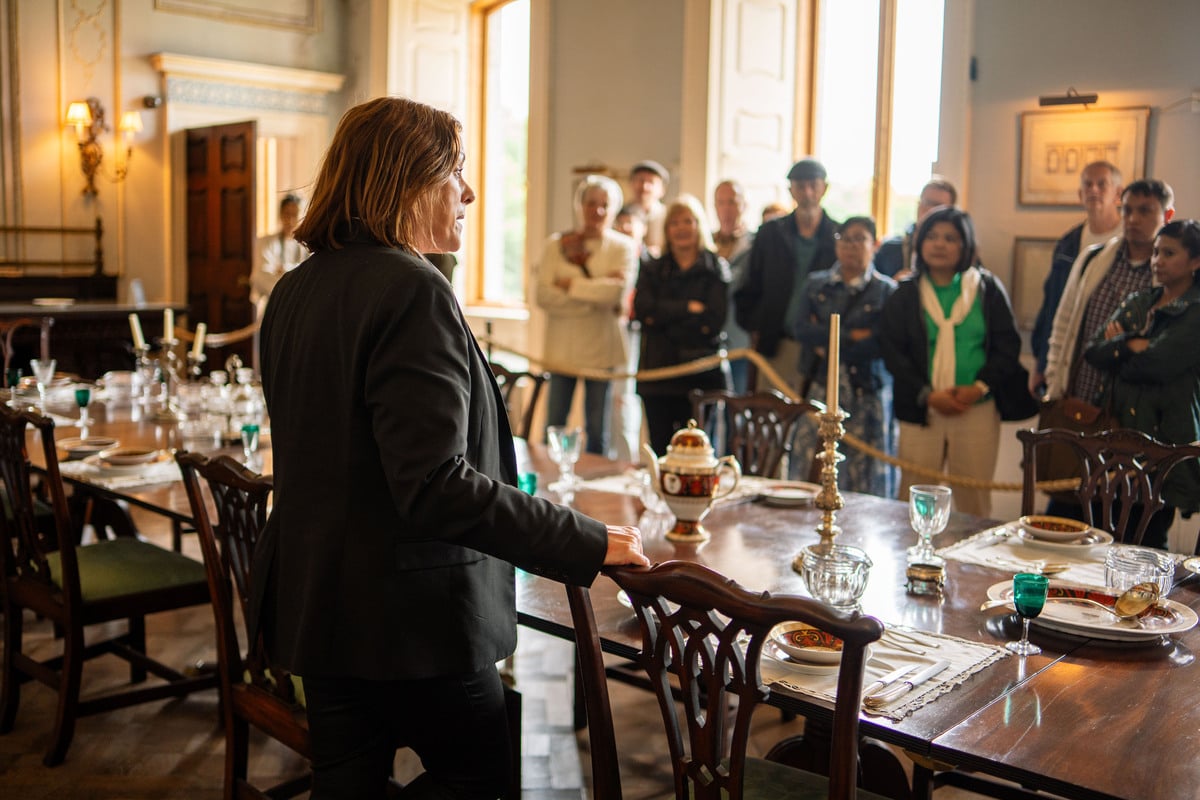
(583, 280)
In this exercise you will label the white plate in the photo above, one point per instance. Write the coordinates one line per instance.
(1100, 538)
(789, 494)
(105, 468)
(78, 448)
(773, 651)
(1192, 565)
(1081, 620)
(53, 301)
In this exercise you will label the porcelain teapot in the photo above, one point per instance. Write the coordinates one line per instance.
(688, 478)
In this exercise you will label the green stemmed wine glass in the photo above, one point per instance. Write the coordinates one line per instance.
(83, 396)
(1029, 597)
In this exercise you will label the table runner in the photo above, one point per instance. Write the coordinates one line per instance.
(966, 658)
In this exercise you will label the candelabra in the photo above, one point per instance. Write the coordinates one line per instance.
(829, 499)
(195, 363)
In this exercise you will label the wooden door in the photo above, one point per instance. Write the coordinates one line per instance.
(220, 229)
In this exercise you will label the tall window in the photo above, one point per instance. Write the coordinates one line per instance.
(879, 146)
(498, 271)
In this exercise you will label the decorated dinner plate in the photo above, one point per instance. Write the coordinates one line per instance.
(1167, 617)
(76, 447)
(788, 494)
(1093, 538)
(108, 468)
(128, 456)
(774, 652)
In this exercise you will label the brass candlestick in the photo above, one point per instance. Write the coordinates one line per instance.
(829, 499)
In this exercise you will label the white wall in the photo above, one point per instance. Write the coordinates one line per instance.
(615, 91)
(1131, 54)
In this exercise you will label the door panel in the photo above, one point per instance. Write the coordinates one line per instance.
(220, 226)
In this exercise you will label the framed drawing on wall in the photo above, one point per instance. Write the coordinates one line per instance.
(1031, 263)
(1056, 145)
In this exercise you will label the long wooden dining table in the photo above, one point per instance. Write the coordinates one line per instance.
(1084, 719)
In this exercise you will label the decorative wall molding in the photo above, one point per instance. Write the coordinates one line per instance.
(220, 82)
(303, 16)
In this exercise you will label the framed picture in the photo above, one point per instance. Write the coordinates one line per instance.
(1031, 264)
(296, 15)
(1057, 145)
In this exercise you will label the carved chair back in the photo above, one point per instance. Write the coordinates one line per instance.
(1123, 472)
(761, 426)
(28, 541)
(709, 633)
(521, 391)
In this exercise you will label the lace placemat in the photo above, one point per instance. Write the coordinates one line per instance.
(1001, 548)
(634, 483)
(900, 647)
(151, 474)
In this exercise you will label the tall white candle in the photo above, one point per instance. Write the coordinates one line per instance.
(831, 379)
(135, 326)
(198, 344)
(169, 324)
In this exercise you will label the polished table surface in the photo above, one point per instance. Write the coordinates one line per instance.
(1084, 719)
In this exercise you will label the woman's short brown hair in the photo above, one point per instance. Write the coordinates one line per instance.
(386, 156)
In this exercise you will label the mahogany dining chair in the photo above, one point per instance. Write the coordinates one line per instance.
(761, 427)
(521, 391)
(73, 586)
(707, 633)
(1123, 474)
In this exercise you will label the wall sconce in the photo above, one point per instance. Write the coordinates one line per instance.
(87, 117)
(1071, 98)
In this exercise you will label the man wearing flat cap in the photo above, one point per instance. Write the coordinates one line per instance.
(647, 184)
(785, 251)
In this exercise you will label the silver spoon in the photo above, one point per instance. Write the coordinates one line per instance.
(1134, 602)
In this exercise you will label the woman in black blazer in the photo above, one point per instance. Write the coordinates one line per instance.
(681, 300)
(385, 574)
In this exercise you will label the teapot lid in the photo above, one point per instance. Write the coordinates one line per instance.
(690, 441)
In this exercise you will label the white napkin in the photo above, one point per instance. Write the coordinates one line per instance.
(965, 657)
(1000, 548)
(162, 472)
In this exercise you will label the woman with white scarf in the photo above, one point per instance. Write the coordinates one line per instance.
(949, 339)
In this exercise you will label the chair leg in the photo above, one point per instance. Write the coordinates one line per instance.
(10, 682)
(237, 753)
(137, 640)
(68, 698)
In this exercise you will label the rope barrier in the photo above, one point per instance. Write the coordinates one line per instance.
(764, 367)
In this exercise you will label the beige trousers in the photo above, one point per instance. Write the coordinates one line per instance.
(786, 362)
(965, 444)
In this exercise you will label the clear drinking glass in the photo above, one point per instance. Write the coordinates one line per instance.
(14, 381)
(43, 370)
(1029, 596)
(249, 441)
(564, 444)
(147, 370)
(928, 513)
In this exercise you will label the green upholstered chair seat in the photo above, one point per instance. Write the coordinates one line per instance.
(768, 780)
(119, 567)
(297, 687)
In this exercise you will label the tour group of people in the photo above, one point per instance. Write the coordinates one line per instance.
(929, 352)
(404, 532)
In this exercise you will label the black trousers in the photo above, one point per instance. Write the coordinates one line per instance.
(455, 724)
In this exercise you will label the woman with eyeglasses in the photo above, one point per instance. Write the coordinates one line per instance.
(855, 290)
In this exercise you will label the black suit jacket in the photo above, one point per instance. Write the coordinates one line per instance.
(387, 553)
(762, 301)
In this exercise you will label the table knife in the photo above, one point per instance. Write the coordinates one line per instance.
(888, 679)
(906, 686)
